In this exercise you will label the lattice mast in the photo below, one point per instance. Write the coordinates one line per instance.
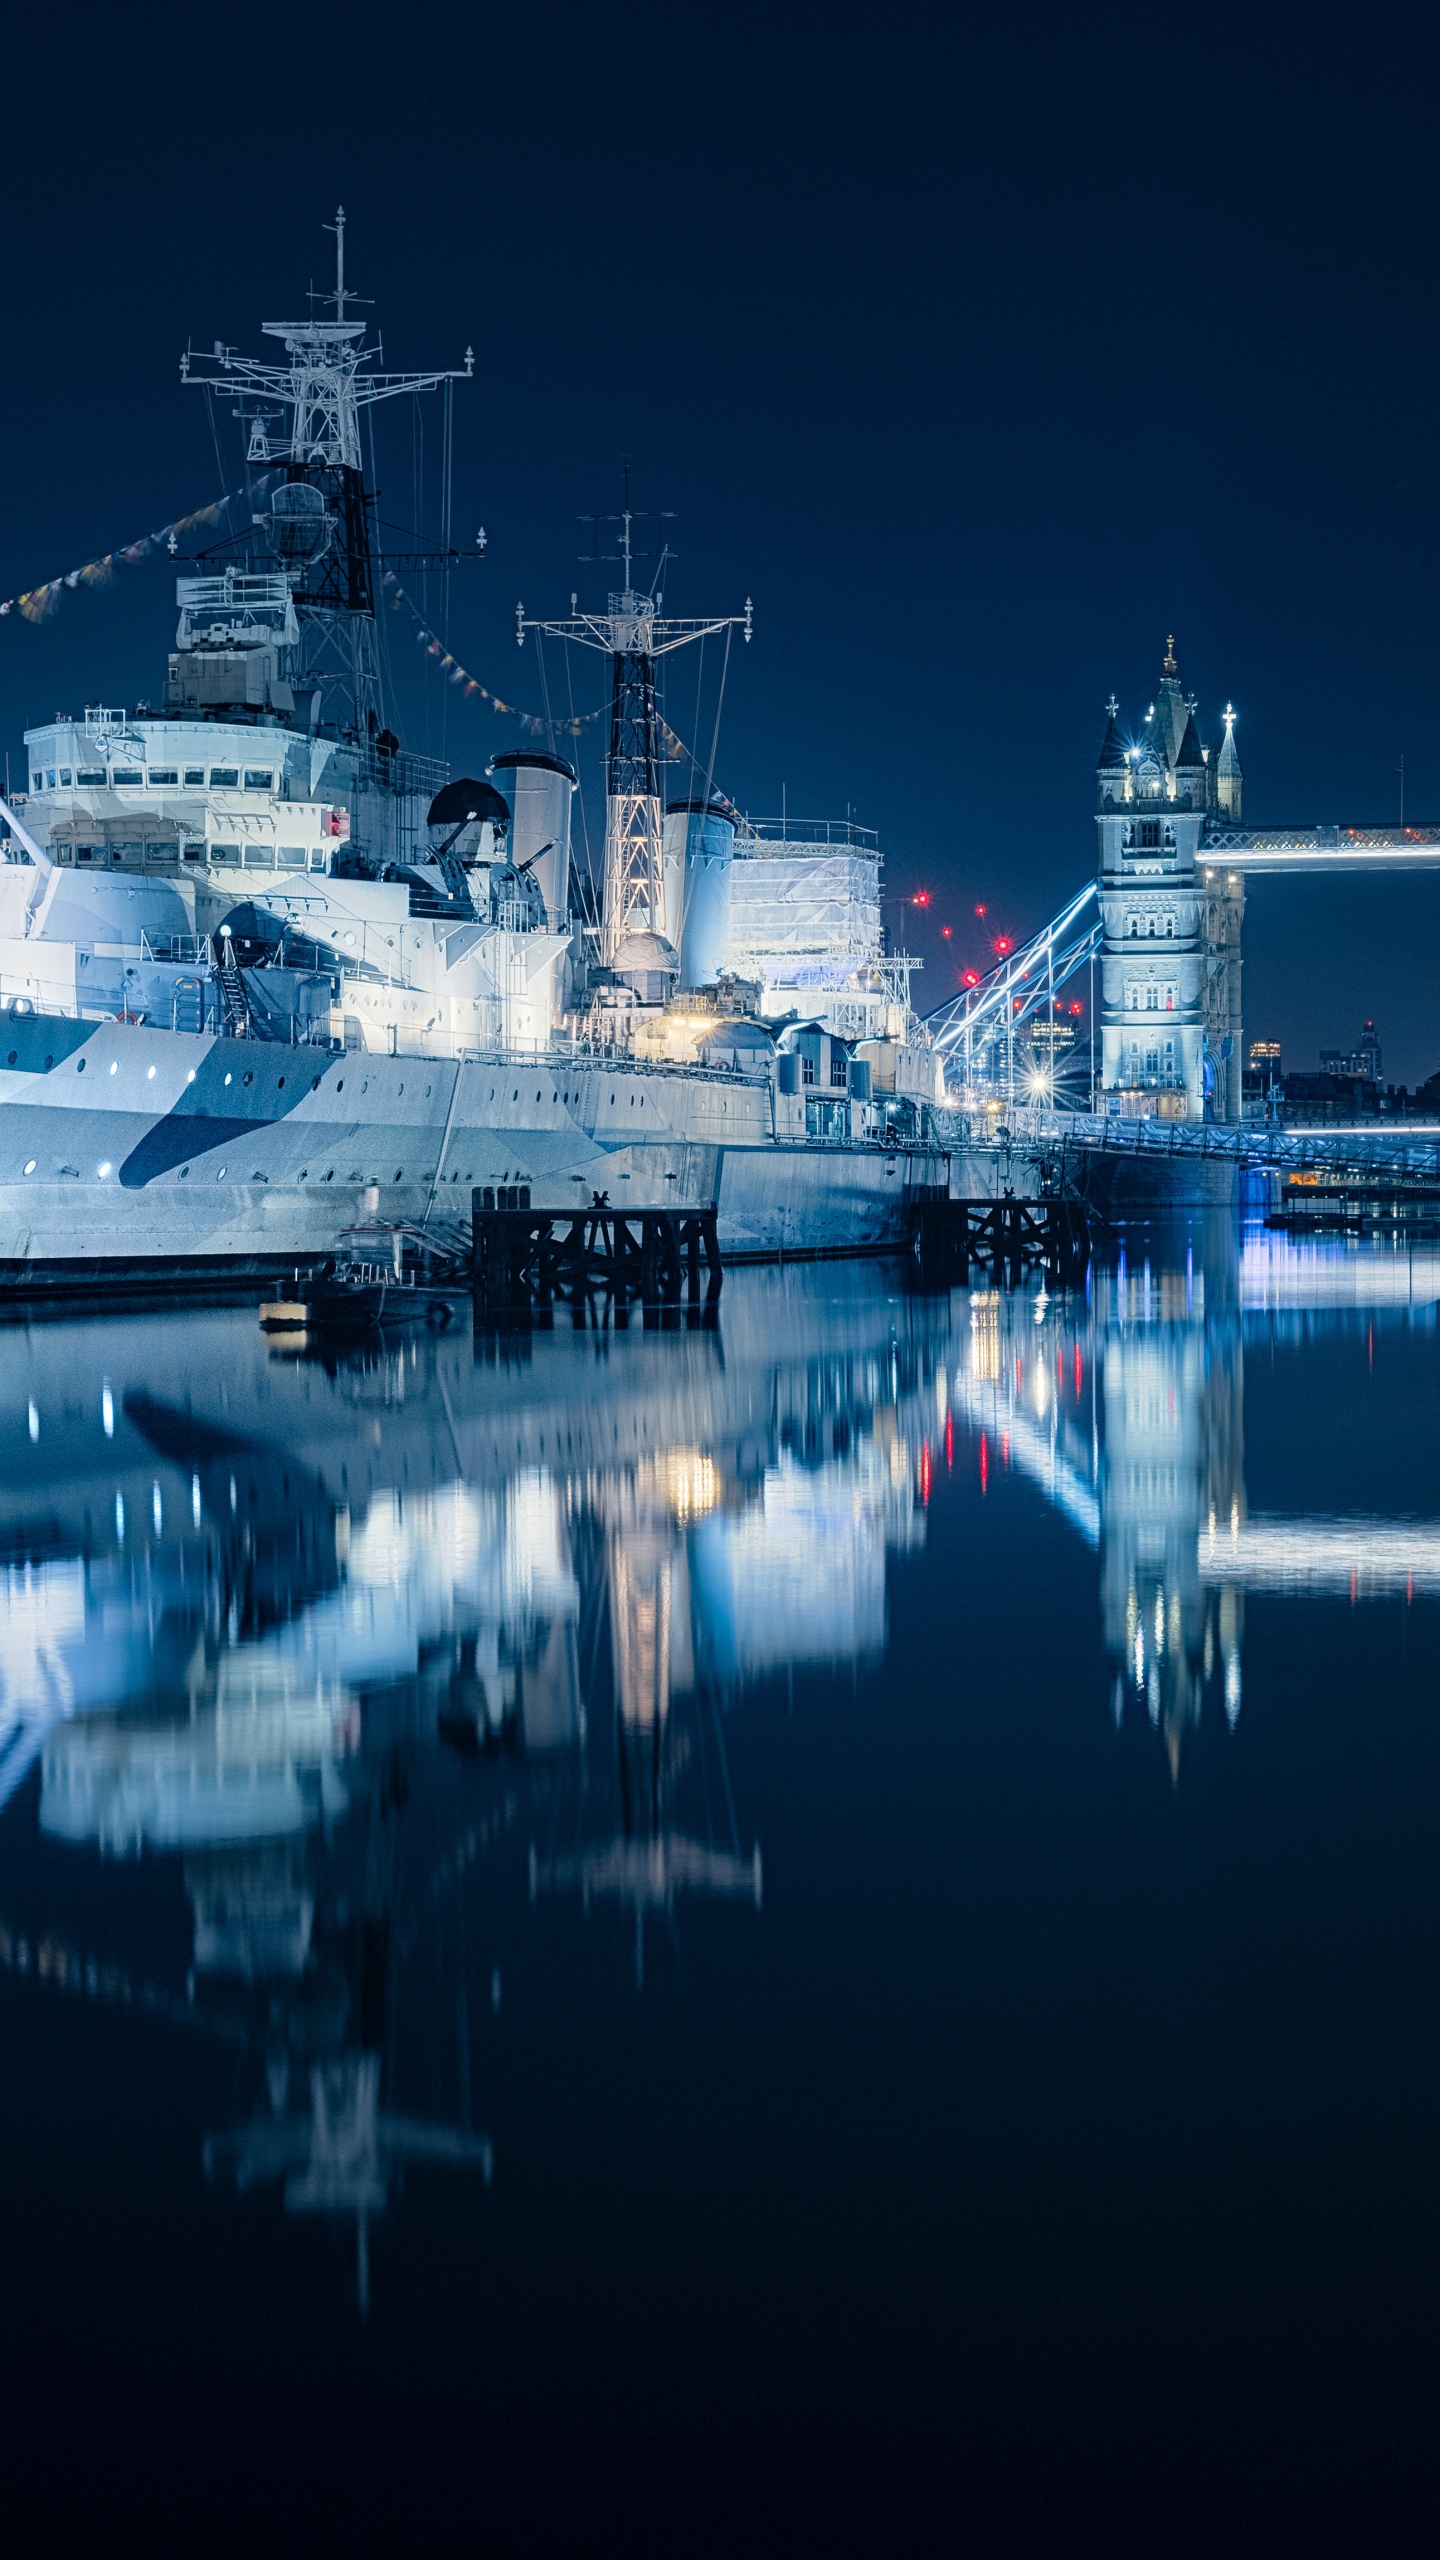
(633, 634)
(304, 415)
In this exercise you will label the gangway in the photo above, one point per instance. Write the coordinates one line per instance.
(1026, 980)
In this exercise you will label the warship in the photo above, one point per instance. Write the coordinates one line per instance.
(265, 973)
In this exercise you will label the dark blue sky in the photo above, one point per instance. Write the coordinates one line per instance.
(982, 354)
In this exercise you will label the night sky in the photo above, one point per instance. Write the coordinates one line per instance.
(982, 354)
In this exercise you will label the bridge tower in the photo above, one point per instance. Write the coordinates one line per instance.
(1170, 958)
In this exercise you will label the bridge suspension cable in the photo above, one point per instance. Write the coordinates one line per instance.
(1021, 984)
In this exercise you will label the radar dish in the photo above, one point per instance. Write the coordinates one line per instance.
(300, 521)
(466, 799)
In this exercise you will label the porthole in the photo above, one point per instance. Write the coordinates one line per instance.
(330, 1176)
(301, 1176)
(427, 1093)
(399, 1088)
(515, 1096)
(227, 1079)
(149, 1075)
(79, 1066)
(314, 1084)
(114, 1066)
(220, 1176)
(14, 1054)
(492, 1093)
(49, 1063)
(281, 1086)
(537, 1093)
(184, 1173)
(248, 1078)
(30, 1167)
(365, 1087)
(340, 1087)
(399, 1173)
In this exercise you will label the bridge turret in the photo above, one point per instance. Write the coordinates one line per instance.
(1112, 774)
(1228, 777)
(1152, 968)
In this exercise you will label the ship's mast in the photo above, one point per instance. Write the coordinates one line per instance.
(304, 415)
(633, 634)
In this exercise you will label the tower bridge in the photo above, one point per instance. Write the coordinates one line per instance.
(1163, 919)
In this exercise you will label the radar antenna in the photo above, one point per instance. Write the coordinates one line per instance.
(304, 417)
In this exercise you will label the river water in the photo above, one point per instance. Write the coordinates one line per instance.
(815, 1931)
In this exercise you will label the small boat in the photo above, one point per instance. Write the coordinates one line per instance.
(358, 1297)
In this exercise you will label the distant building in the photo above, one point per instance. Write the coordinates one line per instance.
(1325, 1100)
(1049, 1039)
(1362, 1060)
(1261, 1080)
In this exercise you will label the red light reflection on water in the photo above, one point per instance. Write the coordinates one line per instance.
(984, 1463)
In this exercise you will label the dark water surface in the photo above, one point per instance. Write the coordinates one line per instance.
(817, 1934)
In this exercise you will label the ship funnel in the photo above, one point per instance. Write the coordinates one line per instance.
(300, 522)
(541, 788)
(699, 848)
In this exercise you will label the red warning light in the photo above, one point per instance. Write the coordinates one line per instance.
(1077, 1008)
(921, 898)
(980, 911)
(1002, 942)
(971, 978)
(945, 932)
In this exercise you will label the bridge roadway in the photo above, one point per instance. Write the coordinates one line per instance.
(1257, 850)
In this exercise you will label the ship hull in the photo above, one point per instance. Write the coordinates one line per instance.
(139, 1154)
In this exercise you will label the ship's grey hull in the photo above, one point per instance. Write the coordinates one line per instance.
(140, 1153)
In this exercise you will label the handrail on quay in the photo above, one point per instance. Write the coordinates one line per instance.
(1277, 1150)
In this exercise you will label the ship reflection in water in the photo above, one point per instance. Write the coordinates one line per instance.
(342, 1638)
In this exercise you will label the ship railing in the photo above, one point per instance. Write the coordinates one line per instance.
(843, 833)
(183, 950)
